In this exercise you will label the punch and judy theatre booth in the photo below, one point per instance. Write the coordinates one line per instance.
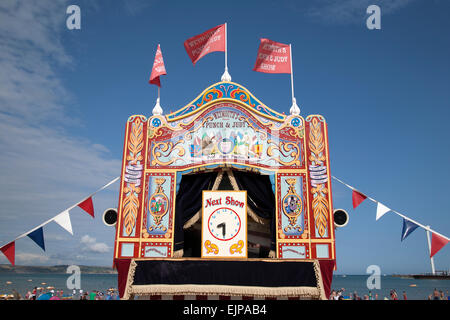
(225, 197)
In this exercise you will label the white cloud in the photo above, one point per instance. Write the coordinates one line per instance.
(91, 245)
(135, 7)
(45, 169)
(31, 258)
(351, 11)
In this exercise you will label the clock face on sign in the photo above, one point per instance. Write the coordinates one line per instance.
(224, 224)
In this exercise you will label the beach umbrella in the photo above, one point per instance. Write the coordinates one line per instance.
(45, 296)
(50, 288)
(8, 282)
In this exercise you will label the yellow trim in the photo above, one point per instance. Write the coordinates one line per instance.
(224, 100)
(119, 209)
(330, 200)
(307, 189)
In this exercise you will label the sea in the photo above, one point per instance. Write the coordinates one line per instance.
(415, 289)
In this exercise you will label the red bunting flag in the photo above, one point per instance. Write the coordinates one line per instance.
(9, 251)
(273, 57)
(437, 243)
(87, 206)
(209, 41)
(357, 198)
(158, 68)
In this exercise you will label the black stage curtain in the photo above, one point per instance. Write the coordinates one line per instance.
(260, 197)
(189, 201)
(220, 272)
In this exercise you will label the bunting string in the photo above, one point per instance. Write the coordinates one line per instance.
(62, 219)
(396, 212)
(409, 225)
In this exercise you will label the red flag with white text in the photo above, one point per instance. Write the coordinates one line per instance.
(273, 57)
(158, 68)
(209, 41)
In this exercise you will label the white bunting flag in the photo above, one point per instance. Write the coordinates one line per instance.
(381, 210)
(63, 219)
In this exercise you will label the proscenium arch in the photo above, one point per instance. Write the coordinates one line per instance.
(261, 230)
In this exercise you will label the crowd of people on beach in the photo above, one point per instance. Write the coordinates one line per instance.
(341, 295)
(51, 293)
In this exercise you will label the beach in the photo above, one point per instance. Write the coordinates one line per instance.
(415, 289)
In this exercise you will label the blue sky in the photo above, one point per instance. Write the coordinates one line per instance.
(65, 96)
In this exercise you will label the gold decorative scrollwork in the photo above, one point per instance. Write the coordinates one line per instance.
(237, 247)
(136, 142)
(316, 144)
(320, 207)
(208, 96)
(131, 202)
(320, 203)
(287, 149)
(211, 247)
(168, 147)
(130, 207)
(243, 96)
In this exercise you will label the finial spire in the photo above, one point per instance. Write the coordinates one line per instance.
(157, 110)
(226, 76)
(295, 110)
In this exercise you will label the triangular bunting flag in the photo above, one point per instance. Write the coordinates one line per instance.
(357, 198)
(9, 251)
(437, 243)
(87, 206)
(408, 228)
(63, 219)
(38, 237)
(381, 210)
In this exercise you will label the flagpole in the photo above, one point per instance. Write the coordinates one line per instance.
(429, 248)
(292, 73)
(295, 110)
(226, 76)
(226, 47)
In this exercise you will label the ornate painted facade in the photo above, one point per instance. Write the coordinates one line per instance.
(226, 126)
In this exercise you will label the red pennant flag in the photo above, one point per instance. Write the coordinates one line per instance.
(158, 68)
(87, 206)
(9, 251)
(273, 57)
(357, 198)
(437, 243)
(209, 41)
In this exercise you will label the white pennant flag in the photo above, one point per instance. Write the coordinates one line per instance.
(381, 210)
(63, 219)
